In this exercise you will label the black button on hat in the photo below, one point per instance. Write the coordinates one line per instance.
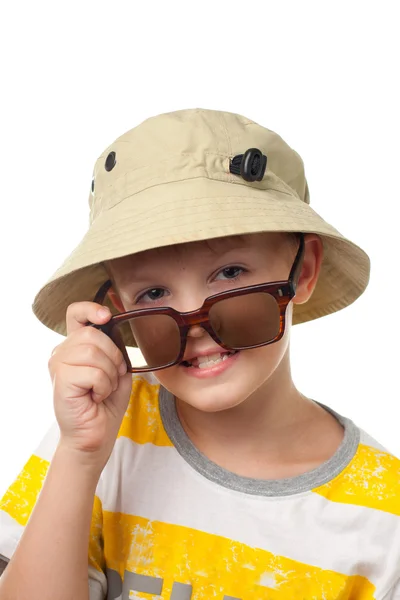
(110, 161)
(251, 165)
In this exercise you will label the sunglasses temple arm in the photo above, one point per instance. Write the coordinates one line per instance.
(99, 299)
(298, 263)
(102, 292)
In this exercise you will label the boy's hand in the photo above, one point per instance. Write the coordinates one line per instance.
(90, 384)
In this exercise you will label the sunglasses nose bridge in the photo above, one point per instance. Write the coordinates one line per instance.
(196, 325)
(197, 317)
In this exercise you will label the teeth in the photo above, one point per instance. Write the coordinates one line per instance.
(202, 362)
(210, 358)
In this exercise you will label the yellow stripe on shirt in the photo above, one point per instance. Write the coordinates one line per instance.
(142, 421)
(21, 496)
(372, 480)
(216, 566)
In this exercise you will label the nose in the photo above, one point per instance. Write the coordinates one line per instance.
(196, 331)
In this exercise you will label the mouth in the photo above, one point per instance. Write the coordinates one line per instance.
(205, 362)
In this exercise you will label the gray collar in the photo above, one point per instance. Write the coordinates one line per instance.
(260, 487)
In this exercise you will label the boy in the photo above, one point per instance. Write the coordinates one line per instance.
(194, 469)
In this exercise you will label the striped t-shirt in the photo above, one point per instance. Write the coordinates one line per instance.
(170, 524)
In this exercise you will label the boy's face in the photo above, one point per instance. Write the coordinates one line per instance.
(182, 277)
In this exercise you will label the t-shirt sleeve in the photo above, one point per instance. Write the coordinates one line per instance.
(20, 498)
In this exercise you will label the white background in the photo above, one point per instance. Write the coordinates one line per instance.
(324, 75)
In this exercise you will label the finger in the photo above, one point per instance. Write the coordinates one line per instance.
(89, 336)
(72, 382)
(88, 355)
(118, 401)
(80, 313)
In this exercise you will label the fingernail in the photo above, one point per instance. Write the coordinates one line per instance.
(122, 368)
(103, 312)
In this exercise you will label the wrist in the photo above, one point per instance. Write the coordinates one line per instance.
(78, 461)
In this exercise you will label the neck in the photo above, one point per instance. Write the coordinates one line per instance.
(274, 426)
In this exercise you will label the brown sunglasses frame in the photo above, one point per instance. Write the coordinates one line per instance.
(282, 291)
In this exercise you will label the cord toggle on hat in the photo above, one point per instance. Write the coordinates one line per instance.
(251, 165)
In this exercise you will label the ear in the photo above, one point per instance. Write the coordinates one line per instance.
(313, 256)
(115, 300)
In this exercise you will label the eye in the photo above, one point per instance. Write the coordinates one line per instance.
(230, 272)
(152, 295)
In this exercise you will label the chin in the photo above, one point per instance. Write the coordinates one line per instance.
(213, 401)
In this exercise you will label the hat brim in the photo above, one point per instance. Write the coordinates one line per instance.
(199, 209)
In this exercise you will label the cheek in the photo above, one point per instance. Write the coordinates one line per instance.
(167, 376)
(263, 361)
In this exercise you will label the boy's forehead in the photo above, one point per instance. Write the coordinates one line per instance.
(193, 250)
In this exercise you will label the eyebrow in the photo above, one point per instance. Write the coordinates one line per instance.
(143, 275)
(145, 272)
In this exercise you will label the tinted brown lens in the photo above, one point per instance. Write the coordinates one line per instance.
(157, 337)
(246, 320)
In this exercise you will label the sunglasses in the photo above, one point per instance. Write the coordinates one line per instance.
(238, 319)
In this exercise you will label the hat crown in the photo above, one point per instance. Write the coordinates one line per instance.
(187, 144)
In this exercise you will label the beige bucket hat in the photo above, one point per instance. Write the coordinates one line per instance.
(192, 175)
